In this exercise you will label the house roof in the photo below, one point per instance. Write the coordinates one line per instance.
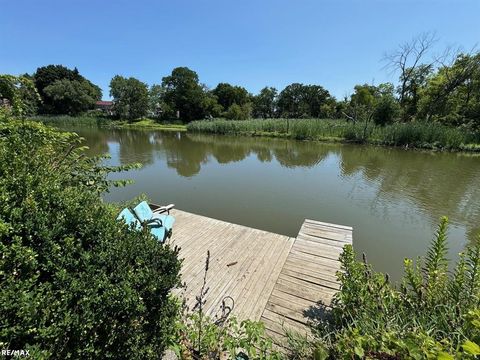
(104, 103)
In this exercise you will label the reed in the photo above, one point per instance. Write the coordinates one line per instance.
(65, 120)
(415, 134)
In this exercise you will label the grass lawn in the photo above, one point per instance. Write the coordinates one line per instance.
(147, 124)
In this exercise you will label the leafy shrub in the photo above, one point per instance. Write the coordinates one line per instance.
(386, 111)
(75, 282)
(229, 340)
(21, 94)
(428, 315)
(238, 112)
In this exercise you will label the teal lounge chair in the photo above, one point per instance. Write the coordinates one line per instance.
(144, 213)
(155, 226)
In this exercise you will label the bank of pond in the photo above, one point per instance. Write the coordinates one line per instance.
(414, 135)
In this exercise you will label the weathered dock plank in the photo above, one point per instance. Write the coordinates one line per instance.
(273, 278)
(244, 262)
(307, 283)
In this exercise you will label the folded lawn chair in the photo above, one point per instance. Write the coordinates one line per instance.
(144, 213)
(154, 225)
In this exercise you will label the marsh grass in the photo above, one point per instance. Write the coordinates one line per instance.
(66, 120)
(147, 124)
(417, 135)
(98, 121)
(412, 135)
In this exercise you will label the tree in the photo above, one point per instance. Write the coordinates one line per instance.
(29, 95)
(370, 102)
(299, 100)
(72, 97)
(411, 89)
(452, 93)
(407, 60)
(184, 94)
(290, 101)
(210, 105)
(130, 96)
(238, 112)
(227, 95)
(265, 103)
(362, 106)
(319, 101)
(47, 75)
(52, 101)
(387, 107)
(20, 93)
(155, 100)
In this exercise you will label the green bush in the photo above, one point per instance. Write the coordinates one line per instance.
(433, 313)
(229, 340)
(238, 112)
(386, 111)
(75, 283)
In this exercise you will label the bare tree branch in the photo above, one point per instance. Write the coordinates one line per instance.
(408, 57)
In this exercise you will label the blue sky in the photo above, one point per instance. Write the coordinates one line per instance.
(336, 44)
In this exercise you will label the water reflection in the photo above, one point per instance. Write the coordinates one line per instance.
(438, 183)
(186, 152)
(392, 197)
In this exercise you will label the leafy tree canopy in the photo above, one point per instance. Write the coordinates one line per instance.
(21, 94)
(238, 112)
(452, 95)
(373, 102)
(299, 100)
(227, 95)
(184, 93)
(130, 96)
(72, 96)
(48, 77)
(155, 99)
(265, 103)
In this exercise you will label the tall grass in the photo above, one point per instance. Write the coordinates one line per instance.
(425, 135)
(65, 120)
(419, 134)
(298, 128)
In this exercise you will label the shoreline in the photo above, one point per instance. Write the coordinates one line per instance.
(472, 149)
(202, 127)
(147, 124)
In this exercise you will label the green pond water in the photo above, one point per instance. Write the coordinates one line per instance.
(393, 198)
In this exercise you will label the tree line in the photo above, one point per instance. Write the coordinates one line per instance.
(443, 88)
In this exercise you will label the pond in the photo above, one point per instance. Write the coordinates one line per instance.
(393, 198)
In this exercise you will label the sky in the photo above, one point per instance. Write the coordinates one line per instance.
(336, 44)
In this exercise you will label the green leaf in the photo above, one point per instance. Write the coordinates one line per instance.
(359, 351)
(444, 356)
(471, 348)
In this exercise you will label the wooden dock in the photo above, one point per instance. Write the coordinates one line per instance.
(277, 279)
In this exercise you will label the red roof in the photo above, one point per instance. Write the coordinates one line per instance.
(104, 103)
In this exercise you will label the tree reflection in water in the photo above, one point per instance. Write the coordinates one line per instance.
(365, 183)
